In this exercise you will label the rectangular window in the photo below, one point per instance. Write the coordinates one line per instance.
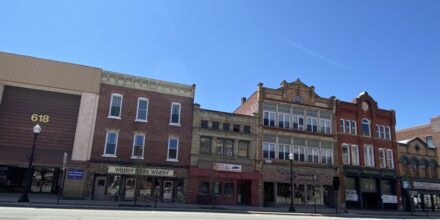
(355, 155)
(247, 129)
(142, 110)
(298, 122)
(383, 132)
(302, 154)
(327, 156)
(215, 125)
(347, 126)
(243, 149)
(138, 147)
(111, 142)
(309, 154)
(226, 127)
(217, 188)
(225, 147)
(204, 124)
(345, 154)
(378, 131)
(236, 128)
(204, 188)
(175, 114)
(369, 155)
(268, 151)
(390, 159)
(205, 145)
(173, 148)
(283, 152)
(269, 118)
(353, 128)
(388, 133)
(342, 126)
(229, 189)
(283, 120)
(312, 124)
(324, 126)
(115, 106)
(382, 161)
(315, 153)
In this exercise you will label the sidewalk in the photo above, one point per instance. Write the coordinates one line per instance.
(50, 201)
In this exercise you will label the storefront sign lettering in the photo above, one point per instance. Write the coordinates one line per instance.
(227, 167)
(427, 186)
(75, 174)
(321, 179)
(389, 199)
(140, 171)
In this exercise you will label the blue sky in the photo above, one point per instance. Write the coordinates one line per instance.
(389, 48)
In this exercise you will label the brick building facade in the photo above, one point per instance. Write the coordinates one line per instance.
(294, 119)
(142, 142)
(223, 159)
(367, 152)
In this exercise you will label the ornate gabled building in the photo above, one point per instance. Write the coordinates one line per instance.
(419, 173)
(294, 119)
(223, 159)
(366, 143)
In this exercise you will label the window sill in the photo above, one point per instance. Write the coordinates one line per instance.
(175, 124)
(137, 158)
(141, 120)
(109, 155)
(114, 117)
(172, 160)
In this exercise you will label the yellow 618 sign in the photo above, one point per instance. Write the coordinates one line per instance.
(40, 118)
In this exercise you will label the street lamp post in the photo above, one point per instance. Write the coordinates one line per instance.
(27, 186)
(292, 208)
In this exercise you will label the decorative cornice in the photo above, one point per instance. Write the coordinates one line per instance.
(142, 83)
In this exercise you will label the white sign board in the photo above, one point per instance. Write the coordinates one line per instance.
(389, 199)
(140, 171)
(227, 167)
(351, 195)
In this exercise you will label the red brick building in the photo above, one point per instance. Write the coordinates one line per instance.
(142, 142)
(223, 159)
(367, 155)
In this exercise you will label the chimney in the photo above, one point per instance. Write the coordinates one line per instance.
(243, 100)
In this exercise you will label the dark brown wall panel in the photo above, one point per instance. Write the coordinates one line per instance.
(16, 134)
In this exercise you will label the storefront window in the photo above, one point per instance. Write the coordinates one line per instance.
(283, 193)
(428, 203)
(386, 187)
(351, 194)
(146, 187)
(229, 189)
(299, 195)
(217, 188)
(114, 185)
(204, 188)
(180, 191)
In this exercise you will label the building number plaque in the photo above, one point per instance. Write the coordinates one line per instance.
(40, 118)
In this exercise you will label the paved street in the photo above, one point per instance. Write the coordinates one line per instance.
(13, 213)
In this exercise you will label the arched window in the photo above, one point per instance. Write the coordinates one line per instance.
(366, 131)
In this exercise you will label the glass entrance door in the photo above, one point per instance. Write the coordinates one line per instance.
(168, 190)
(130, 184)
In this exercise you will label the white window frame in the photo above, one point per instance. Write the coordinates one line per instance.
(354, 156)
(378, 132)
(146, 110)
(110, 106)
(388, 133)
(177, 150)
(369, 155)
(116, 144)
(390, 158)
(342, 125)
(347, 128)
(353, 127)
(283, 147)
(315, 155)
(369, 127)
(171, 113)
(270, 115)
(311, 124)
(300, 126)
(134, 143)
(270, 145)
(285, 118)
(383, 133)
(326, 125)
(382, 158)
(327, 153)
(347, 155)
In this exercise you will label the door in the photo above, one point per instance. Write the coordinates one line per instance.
(130, 184)
(243, 192)
(168, 190)
(99, 192)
